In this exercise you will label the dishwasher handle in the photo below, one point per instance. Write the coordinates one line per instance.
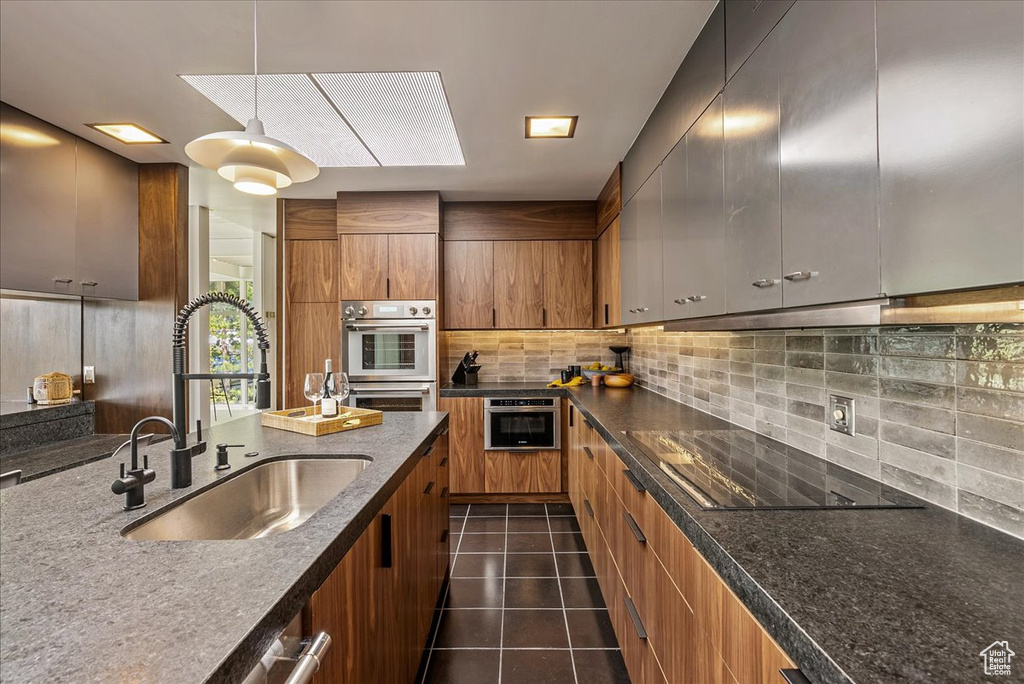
(310, 659)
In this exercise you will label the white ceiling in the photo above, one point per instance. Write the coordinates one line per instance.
(94, 61)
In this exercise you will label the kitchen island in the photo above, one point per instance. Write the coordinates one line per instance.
(80, 603)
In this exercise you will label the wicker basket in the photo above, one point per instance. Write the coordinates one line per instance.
(303, 420)
(53, 388)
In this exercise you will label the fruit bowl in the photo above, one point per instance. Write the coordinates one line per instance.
(589, 374)
(618, 380)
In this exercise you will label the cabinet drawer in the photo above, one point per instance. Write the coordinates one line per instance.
(522, 472)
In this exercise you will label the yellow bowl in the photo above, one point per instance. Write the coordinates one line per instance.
(619, 380)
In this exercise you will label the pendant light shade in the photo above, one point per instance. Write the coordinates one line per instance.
(253, 161)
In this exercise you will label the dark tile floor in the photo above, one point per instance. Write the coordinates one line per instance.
(522, 606)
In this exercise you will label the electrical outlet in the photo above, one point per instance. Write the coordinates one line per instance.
(89, 375)
(842, 414)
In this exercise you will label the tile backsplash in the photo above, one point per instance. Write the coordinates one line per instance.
(532, 355)
(940, 409)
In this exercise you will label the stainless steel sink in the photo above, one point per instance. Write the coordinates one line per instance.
(268, 499)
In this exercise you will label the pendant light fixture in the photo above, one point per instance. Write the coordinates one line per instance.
(254, 162)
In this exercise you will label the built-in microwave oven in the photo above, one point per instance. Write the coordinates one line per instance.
(522, 424)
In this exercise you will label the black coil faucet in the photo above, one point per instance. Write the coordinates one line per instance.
(181, 455)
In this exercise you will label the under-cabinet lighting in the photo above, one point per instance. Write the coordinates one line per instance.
(550, 126)
(128, 133)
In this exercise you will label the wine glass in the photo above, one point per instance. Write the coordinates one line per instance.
(314, 388)
(342, 388)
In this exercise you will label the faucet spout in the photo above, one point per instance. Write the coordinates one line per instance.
(181, 470)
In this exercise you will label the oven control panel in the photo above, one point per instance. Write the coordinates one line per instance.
(497, 403)
(378, 310)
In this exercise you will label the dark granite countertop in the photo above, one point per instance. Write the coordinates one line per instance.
(14, 413)
(865, 596)
(79, 603)
(501, 389)
(60, 456)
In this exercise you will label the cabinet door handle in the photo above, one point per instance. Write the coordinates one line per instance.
(430, 488)
(642, 309)
(634, 528)
(444, 493)
(443, 432)
(443, 463)
(543, 318)
(429, 450)
(387, 288)
(589, 453)
(697, 298)
(63, 281)
(635, 617)
(494, 318)
(606, 314)
(765, 282)
(637, 485)
(800, 275)
(385, 540)
(590, 509)
(572, 414)
(680, 302)
(89, 283)
(444, 536)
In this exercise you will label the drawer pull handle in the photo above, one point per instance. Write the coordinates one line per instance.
(635, 617)
(637, 485)
(385, 540)
(443, 463)
(590, 509)
(430, 450)
(794, 677)
(765, 282)
(89, 283)
(444, 493)
(444, 536)
(572, 412)
(443, 432)
(680, 301)
(430, 488)
(697, 298)
(634, 528)
(589, 453)
(800, 275)
(62, 281)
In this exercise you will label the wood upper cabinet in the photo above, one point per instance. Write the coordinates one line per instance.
(412, 266)
(469, 284)
(362, 267)
(607, 285)
(311, 272)
(382, 266)
(519, 284)
(952, 210)
(465, 443)
(313, 334)
(568, 284)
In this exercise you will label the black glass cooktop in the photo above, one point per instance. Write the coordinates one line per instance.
(735, 469)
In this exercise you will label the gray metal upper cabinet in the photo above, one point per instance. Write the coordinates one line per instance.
(699, 79)
(107, 238)
(828, 150)
(753, 232)
(951, 144)
(37, 205)
(747, 23)
(693, 221)
(648, 250)
(629, 278)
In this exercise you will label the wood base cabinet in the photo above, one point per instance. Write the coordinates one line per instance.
(674, 617)
(378, 603)
(522, 472)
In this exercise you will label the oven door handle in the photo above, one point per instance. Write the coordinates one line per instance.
(387, 328)
(423, 390)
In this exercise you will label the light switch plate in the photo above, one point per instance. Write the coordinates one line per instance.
(89, 375)
(842, 414)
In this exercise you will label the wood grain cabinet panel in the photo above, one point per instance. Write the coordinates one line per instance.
(522, 472)
(412, 266)
(607, 285)
(389, 212)
(568, 284)
(519, 284)
(313, 334)
(465, 443)
(363, 267)
(310, 219)
(557, 220)
(609, 202)
(312, 270)
(469, 284)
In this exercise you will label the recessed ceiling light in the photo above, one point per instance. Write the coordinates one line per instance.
(550, 126)
(128, 133)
